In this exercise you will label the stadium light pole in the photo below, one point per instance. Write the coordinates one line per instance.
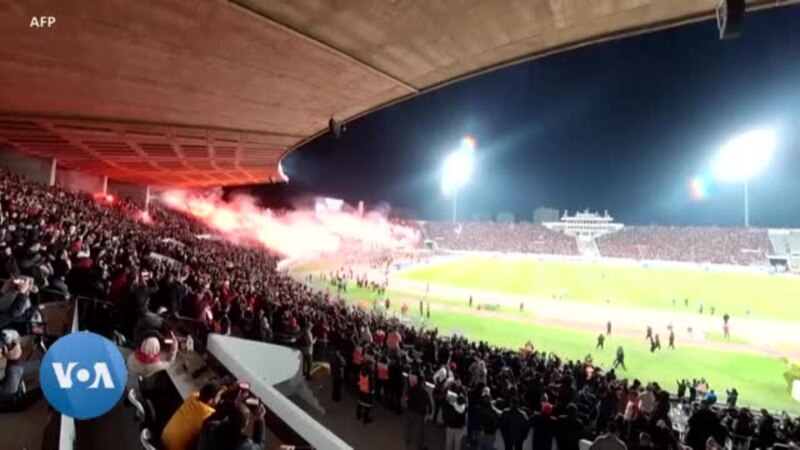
(457, 170)
(743, 158)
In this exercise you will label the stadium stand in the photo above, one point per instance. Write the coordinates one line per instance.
(736, 246)
(153, 277)
(519, 237)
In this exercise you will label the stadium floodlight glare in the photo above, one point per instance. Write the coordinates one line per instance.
(457, 170)
(743, 158)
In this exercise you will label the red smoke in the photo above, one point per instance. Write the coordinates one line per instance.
(294, 233)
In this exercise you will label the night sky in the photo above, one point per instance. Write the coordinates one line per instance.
(622, 126)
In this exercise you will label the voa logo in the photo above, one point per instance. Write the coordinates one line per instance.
(64, 377)
(83, 375)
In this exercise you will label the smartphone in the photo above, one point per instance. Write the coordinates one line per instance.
(252, 402)
(169, 341)
(244, 385)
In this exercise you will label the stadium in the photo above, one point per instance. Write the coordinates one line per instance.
(137, 141)
(535, 296)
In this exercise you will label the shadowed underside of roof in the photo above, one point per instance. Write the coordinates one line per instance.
(215, 92)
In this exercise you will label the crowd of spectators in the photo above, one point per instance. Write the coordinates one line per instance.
(521, 237)
(736, 246)
(152, 266)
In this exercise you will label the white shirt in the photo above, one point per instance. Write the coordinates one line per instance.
(647, 402)
(443, 374)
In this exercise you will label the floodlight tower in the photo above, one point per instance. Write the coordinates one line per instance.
(744, 157)
(457, 170)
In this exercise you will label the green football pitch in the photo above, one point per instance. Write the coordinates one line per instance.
(764, 296)
(758, 377)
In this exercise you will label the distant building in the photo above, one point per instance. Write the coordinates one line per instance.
(544, 214)
(585, 224)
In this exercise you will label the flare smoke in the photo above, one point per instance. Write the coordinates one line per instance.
(294, 234)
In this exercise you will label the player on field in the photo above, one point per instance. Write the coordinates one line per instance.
(725, 328)
(671, 339)
(601, 339)
(619, 361)
(655, 344)
(649, 336)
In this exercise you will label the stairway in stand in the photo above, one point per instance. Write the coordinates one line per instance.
(588, 247)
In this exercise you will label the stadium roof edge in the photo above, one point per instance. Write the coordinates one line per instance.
(183, 81)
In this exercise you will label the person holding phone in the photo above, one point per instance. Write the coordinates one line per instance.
(228, 431)
(15, 300)
(184, 427)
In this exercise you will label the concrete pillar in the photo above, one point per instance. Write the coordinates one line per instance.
(53, 171)
(105, 184)
(147, 197)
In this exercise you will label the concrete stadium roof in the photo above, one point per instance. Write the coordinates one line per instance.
(213, 92)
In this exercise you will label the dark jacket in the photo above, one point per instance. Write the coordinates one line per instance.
(488, 419)
(16, 308)
(703, 424)
(452, 418)
(569, 431)
(419, 402)
(219, 435)
(544, 427)
(514, 425)
(337, 366)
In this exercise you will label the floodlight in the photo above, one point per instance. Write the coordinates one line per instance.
(457, 170)
(745, 156)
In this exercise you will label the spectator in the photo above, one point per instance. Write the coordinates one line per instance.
(488, 421)
(703, 424)
(183, 429)
(544, 427)
(454, 421)
(229, 432)
(12, 387)
(337, 364)
(15, 302)
(733, 397)
(610, 440)
(146, 360)
(306, 344)
(419, 406)
(514, 426)
(570, 429)
(766, 430)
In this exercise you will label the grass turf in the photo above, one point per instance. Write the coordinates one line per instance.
(766, 296)
(758, 378)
